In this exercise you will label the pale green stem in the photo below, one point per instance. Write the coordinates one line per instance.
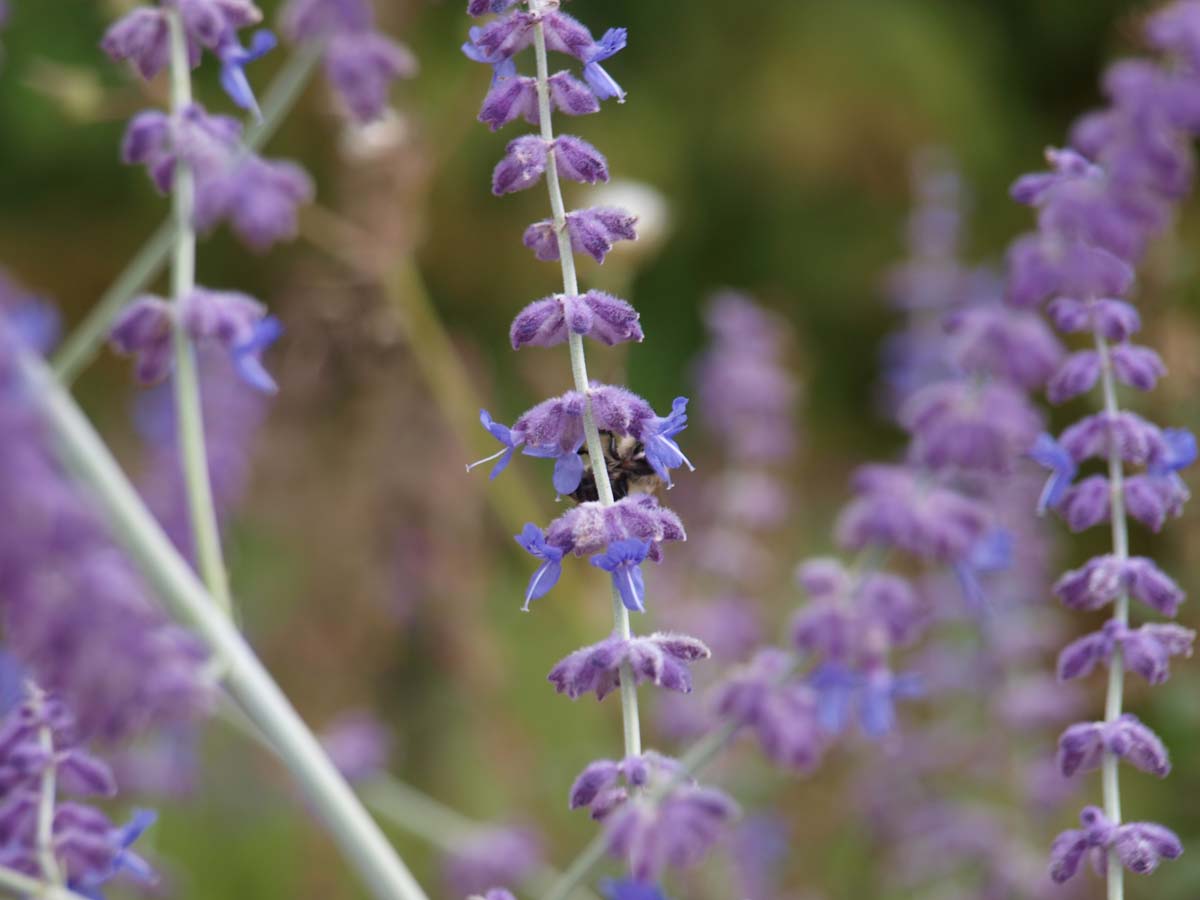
(330, 797)
(629, 699)
(46, 797)
(18, 884)
(82, 345)
(1110, 769)
(193, 454)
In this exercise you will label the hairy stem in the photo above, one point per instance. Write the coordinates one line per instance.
(629, 700)
(332, 800)
(82, 345)
(1110, 771)
(193, 454)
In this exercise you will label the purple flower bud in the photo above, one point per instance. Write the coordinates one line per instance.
(1004, 343)
(623, 561)
(1042, 267)
(1142, 845)
(1085, 504)
(600, 316)
(1148, 650)
(361, 67)
(513, 97)
(501, 39)
(1116, 320)
(207, 144)
(309, 20)
(1138, 367)
(823, 577)
(1151, 499)
(143, 331)
(579, 161)
(259, 198)
(1134, 439)
(1103, 578)
(1081, 747)
(565, 34)
(522, 167)
(236, 322)
(1077, 375)
(359, 745)
(492, 856)
(479, 8)
(960, 424)
(215, 22)
(143, 38)
(661, 659)
(547, 574)
(592, 231)
(1175, 29)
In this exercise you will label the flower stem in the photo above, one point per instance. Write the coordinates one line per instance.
(46, 797)
(193, 453)
(87, 457)
(1110, 773)
(629, 701)
(18, 884)
(82, 345)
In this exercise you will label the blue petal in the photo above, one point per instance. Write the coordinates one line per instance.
(247, 357)
(612, 43)
(631, 586)
(603, 85)
(542, 581)
(1181, 449)
(568, 472)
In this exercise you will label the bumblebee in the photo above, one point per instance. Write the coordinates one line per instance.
(629, 471)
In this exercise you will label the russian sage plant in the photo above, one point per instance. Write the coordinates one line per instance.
(1104, 199)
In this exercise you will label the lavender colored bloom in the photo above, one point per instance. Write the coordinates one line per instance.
(1086, 504)
(1151, 499)
(1081, 747)
(661, 659)
(600, 316)
(964, 425)
(493, 894)
(1175, 29)
(1115, 320)
(143, 331)
(591, 527)
(658, 436)
(310, 20)
(1077, 375)
(88, 848)
(361, 67)
(991, 553)
(678, 829)
(623, 561)
(206, 144)
(522, 167)
(1004, 343)
(598, 785)
(1133, 438)
(1140, 846)
(237, 323)
(359, 745)
(1138, 367)
(505, 436)
(143, 38)
(234, 59)
(592, 231)
(258, 197)
(631, 890)
(1103, 578)
(1050, 454)
(512, 97)
(492, 856)
(781, 711)
(1146, 650)
(899, 507)
(483, 7)
(534, 542)
(1042, 267)
(602, 84)
(212, 23)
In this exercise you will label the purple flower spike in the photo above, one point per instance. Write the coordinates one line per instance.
(1139, 845)
(234, 59)
(602, 84)
(623, 561)
(661, 659)
(361, 67)
(1050, 454)
(592, 231)
(522, 167)
(143, 331)
(534, 542)
(143, 38)
(505, 436)
(600, 316)
(658, 435)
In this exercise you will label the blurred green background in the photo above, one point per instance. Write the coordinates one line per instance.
(370, 571)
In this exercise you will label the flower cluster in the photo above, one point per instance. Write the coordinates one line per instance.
(75, 611)
(611, 450)
(63, 842)
(360, 62)
(1098, 207)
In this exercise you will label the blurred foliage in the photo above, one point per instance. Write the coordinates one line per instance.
(780, 135)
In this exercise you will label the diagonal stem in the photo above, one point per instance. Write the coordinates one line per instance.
(92, 464)
(629, 700)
